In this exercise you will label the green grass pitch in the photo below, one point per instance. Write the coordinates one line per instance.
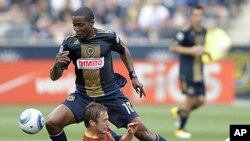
(209, 123)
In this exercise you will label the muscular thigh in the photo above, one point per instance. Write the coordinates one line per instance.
(61, 116)
(120, 110)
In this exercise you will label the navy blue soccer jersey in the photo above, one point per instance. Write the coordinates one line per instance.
(191, 67)
(93, 62)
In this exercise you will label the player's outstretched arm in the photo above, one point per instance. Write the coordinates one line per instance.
(56, 70)
(126, 58)
(131, 129)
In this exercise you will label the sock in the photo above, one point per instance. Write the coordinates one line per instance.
(183, 118)
(59, 137)
(160, 138)
(183, 122)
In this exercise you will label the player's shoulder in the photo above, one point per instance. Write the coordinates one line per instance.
(107, 35)
(71, 39)
(180, 35)
(185, 28)
(104, 31)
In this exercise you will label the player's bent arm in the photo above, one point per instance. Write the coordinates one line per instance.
(126, 58)
(56, 72)
(195, 50)
(176, 48)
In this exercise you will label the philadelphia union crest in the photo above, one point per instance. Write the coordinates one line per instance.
(90, 51)
(71, 98)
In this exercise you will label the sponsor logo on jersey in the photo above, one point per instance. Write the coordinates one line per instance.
(90, 63)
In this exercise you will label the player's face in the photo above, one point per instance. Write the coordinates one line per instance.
(197, 17)
(102, 123)
(82, 27)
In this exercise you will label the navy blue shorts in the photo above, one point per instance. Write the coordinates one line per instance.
(192, 88)
(120, 110)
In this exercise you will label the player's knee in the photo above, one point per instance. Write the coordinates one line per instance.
(52, 124)
(145, 135)
(49, 122)
(201, 101)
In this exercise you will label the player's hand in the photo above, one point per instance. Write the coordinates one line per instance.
(197, 50)
(132, 127)
(138, 87)
(62, 57)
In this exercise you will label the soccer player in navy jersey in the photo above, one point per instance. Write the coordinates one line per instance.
(97, 125)
(89, 49)
(189, 43)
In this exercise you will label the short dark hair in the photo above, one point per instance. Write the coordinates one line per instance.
(92, 112)
(197, 7)
(86, 12)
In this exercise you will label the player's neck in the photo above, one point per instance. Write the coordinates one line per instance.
(91, 132)
(92, 34)
(197, 27)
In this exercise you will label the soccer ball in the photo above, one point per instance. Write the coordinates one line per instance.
(228, 139)
(31, 121)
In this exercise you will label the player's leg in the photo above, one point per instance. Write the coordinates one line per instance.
(195, 97)
(199, 96)
(182, 117)
(191, 103)
(60, 117)
(71, 111)
(181, 114)
(145, 134)
(121, 113)
(199, 101)
(186, 109)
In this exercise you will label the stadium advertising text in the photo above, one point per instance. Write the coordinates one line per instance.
(30, 83)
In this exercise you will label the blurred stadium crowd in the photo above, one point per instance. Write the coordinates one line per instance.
(49, 21)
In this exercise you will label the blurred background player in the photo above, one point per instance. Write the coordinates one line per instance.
(90, 51)
(97, 125)
(189, 43)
